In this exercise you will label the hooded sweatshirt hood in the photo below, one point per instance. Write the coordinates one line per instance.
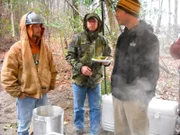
(28, 47)
(23, 29)
(27, 34)
(92, 35)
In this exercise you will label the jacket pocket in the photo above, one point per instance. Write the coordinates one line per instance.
(80, 79)
(29, 83)
(20, 76)
(45, 79)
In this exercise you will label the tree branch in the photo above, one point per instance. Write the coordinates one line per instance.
(73, 8)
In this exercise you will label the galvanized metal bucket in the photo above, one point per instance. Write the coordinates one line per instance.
(47, 119)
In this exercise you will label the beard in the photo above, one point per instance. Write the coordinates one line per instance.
(37, 35)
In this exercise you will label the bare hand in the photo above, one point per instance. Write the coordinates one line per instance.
(23, 95)
(85, 70)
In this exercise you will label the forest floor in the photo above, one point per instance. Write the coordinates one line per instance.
(62, 96)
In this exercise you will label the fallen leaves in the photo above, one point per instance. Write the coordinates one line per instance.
(10, 126)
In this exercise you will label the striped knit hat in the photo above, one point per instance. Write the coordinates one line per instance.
(130, 6)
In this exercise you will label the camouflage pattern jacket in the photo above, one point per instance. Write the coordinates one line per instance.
(80, 52)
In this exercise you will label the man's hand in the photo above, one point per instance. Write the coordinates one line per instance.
(85, 70)
(23, 95)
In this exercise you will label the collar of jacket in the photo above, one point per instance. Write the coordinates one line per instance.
(140, 28)
(92, 35)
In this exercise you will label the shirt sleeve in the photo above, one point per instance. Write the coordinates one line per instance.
(72, 56)
(9, 75)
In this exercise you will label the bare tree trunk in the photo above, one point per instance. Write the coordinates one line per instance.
(1, 10)
(48, 28)
(82, 8)
(169, 33)
(58, 7)
(65, 5)
(52, 6)
(49, 4)
(75, 4)
(151, 4)
(169, 23)
(76, 15)
(12, 20)
(74, 9)
(175, 18)
(159, 16)
(32, 5)
(112, 21)
(28, 4)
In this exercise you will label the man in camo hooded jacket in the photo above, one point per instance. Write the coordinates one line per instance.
(87, 74)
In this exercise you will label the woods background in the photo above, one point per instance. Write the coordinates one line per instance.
(63, 18)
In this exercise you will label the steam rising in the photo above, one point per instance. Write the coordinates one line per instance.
(138, 91)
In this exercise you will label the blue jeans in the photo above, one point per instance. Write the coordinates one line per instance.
(94, 96)
(24, 111)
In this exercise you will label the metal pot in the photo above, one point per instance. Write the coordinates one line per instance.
(47, 119)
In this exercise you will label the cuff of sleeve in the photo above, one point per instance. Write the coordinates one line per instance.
(108, 64)
(78, 67)
(52, 87)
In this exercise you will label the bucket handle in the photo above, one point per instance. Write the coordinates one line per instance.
(40, 120)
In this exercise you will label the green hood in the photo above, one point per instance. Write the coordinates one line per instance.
(94, 15)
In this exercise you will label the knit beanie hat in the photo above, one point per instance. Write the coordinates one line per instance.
(130, 6)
